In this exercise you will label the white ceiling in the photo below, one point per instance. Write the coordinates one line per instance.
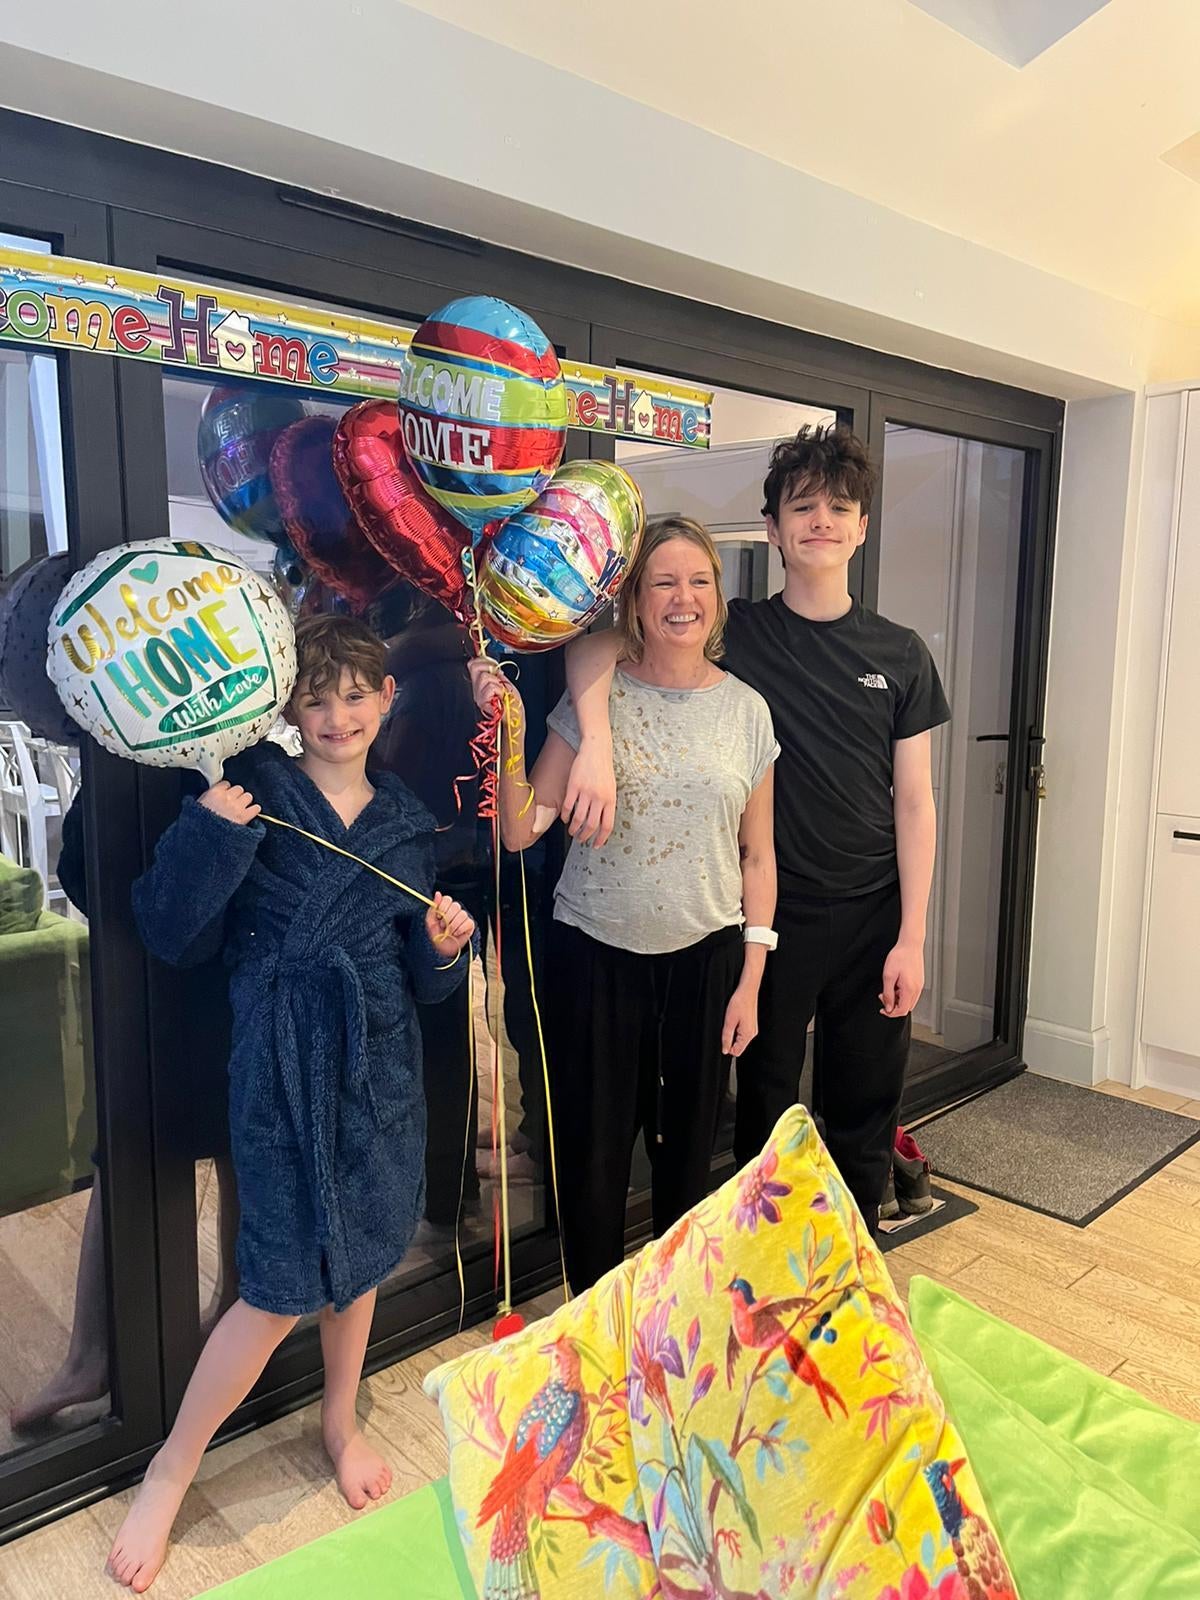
(1056, 163)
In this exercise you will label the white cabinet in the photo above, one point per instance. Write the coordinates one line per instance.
(1171, 1005)
(1170, 1001)
(1179, 772)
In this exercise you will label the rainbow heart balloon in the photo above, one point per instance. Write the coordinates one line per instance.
(483, 409)
(552, 568)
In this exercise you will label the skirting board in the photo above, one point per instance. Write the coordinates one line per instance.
(1166, 1069)
(1071, 1055)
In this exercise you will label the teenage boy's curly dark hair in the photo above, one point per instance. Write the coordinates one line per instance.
(830, 458)
(326, 644)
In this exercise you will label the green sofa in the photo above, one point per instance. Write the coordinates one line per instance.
(47, 1098)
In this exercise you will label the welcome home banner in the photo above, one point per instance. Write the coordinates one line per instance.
(59, 303)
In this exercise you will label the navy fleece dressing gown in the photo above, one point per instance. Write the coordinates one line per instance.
(327, 1113)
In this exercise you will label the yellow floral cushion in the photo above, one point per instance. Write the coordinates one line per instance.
(739, 1412)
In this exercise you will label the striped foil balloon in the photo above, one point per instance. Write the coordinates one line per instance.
(552, 568)
(483, 409)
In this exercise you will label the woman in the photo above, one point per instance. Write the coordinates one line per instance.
(653, 981)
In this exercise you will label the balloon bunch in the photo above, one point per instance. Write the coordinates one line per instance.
(176, 653)
(457, 490)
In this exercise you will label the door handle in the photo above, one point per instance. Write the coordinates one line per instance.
(1179, 834)
(992, 738)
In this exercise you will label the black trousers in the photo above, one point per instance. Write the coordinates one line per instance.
(829, 964)
(445, 1041)
(635, 1047)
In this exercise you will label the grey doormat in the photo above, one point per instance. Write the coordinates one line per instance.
(1053, 1147)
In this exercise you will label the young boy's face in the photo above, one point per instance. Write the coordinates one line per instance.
(339, 724)
(816, 531)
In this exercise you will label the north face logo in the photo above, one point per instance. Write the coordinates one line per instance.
(873, 680)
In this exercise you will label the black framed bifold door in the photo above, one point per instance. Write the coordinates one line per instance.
(959, 549)
(80, 1381)
(197, 1200)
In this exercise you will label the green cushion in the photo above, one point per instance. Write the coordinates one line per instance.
(20, 897)
(1093, 1490)
(406, 1550)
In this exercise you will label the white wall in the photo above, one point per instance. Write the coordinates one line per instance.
(393, 108)
(397, 109)
(1069, 1028)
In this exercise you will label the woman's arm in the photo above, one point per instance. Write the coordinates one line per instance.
(756, 837)
(524, 816)
(916, 841)
(590, 798)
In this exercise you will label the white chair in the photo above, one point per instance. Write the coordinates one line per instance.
(34, 801)
(12, 806)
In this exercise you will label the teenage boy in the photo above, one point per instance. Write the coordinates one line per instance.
(854, 699)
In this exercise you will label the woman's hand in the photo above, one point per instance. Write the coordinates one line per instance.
(590, 804)
(741, 1020)
(489, 684)
(230, 801)
(448, 925)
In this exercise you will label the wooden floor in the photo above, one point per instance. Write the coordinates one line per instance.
(1122, 1295)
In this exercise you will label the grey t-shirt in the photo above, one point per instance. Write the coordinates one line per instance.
(686, 761)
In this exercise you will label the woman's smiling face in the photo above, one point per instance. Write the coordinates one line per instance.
(677, 597)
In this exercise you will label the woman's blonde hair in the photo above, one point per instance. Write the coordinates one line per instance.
(658, 533)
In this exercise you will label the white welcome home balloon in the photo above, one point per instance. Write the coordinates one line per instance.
(174, 654)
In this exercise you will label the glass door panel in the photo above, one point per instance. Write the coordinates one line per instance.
(956, 522)
(76, 1231)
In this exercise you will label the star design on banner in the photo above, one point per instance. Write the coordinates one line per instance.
(80, 279)
(21, 275)
(283, 317)
(110, 282)
(79, 703)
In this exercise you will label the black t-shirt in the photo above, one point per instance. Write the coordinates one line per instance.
(840, 694)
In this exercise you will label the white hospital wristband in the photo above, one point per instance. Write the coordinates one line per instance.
(766, 936)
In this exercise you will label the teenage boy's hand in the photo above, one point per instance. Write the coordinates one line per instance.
(230, 801)
(903, 979)
(590, 803)
(448, 925)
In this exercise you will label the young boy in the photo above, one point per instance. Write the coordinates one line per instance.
(853, 698)
(327, 1118)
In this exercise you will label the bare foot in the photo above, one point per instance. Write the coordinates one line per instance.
(74, 1383)
(140, 1547)
(362, 1473)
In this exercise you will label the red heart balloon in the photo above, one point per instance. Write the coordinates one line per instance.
(423, 543)
(318, 520)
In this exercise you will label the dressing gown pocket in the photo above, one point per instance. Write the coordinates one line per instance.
(394, 1078)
